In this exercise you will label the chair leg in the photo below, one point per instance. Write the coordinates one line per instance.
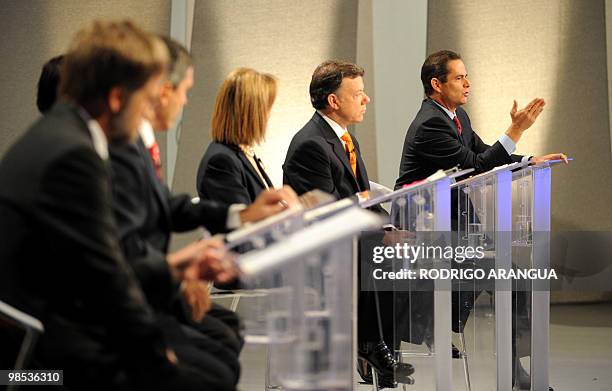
(464, 356)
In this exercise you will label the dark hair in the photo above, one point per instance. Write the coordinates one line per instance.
(435, 67)
(327, 78)
(48, 82)
(179, 61)
(107, 54)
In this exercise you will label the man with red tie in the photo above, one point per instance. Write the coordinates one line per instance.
(441, 135)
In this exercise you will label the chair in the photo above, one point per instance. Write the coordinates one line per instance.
(15, 324)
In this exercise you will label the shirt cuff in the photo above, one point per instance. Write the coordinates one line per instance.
(525, 159)
(508, 144)
(233, 216)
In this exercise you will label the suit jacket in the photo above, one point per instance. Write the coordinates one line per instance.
(432, 143)
(147, 213)
(316, 159)
(59, 255)
(226, 174)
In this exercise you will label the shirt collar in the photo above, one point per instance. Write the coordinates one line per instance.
(447, 111)
(146, 133)
(97, 134)
(339, 130)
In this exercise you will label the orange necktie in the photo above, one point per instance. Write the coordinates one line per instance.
(350, 150)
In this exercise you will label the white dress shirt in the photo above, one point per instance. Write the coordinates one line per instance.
(339, 130)
(97, 134)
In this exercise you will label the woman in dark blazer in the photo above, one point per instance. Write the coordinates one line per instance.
(229, 171)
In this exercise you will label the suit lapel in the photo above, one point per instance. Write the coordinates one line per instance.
(364, 183)
(156, 183)
(69, 111)
(332, 138)
(263, 173)
(247, 164)
(464, 135)
(449, 122)
(466, 130)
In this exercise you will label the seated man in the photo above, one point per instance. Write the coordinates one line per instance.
(60, 258)
(325, 155)
(147, 213)
(145, 231)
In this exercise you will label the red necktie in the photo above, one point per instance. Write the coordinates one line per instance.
(156, 157)
(456, 121)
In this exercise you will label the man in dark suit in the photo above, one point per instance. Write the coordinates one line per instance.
(147, 214)
(441, 135)
(60, 258)
(325, 155)
(317, 157)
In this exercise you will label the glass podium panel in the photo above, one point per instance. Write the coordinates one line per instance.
(414, 340)
(522, 242)
(531, 197)
(479, 336)
(318, 354)
(416, 310)
(531, 250)
(308, 313)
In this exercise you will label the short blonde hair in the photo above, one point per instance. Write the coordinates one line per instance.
(242, 107)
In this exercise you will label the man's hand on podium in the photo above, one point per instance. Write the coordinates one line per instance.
(552, 156)
(204, 259)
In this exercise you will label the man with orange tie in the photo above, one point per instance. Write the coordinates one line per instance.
(325, 155)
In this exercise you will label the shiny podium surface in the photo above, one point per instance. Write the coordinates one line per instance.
(421, 310)
(498, 322)
(531, 194)
(306, 309)
(485, 306)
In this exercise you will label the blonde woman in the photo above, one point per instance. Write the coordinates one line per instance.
(229, 171)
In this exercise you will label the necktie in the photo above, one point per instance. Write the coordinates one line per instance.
(456, 121)
(350, 151)
(156, 157)
(260, 170)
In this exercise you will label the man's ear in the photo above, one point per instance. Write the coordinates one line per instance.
(115, 98)
(164, 94)
(332, 101)
(436, 85)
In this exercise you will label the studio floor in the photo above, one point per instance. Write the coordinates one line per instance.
(580, 354)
